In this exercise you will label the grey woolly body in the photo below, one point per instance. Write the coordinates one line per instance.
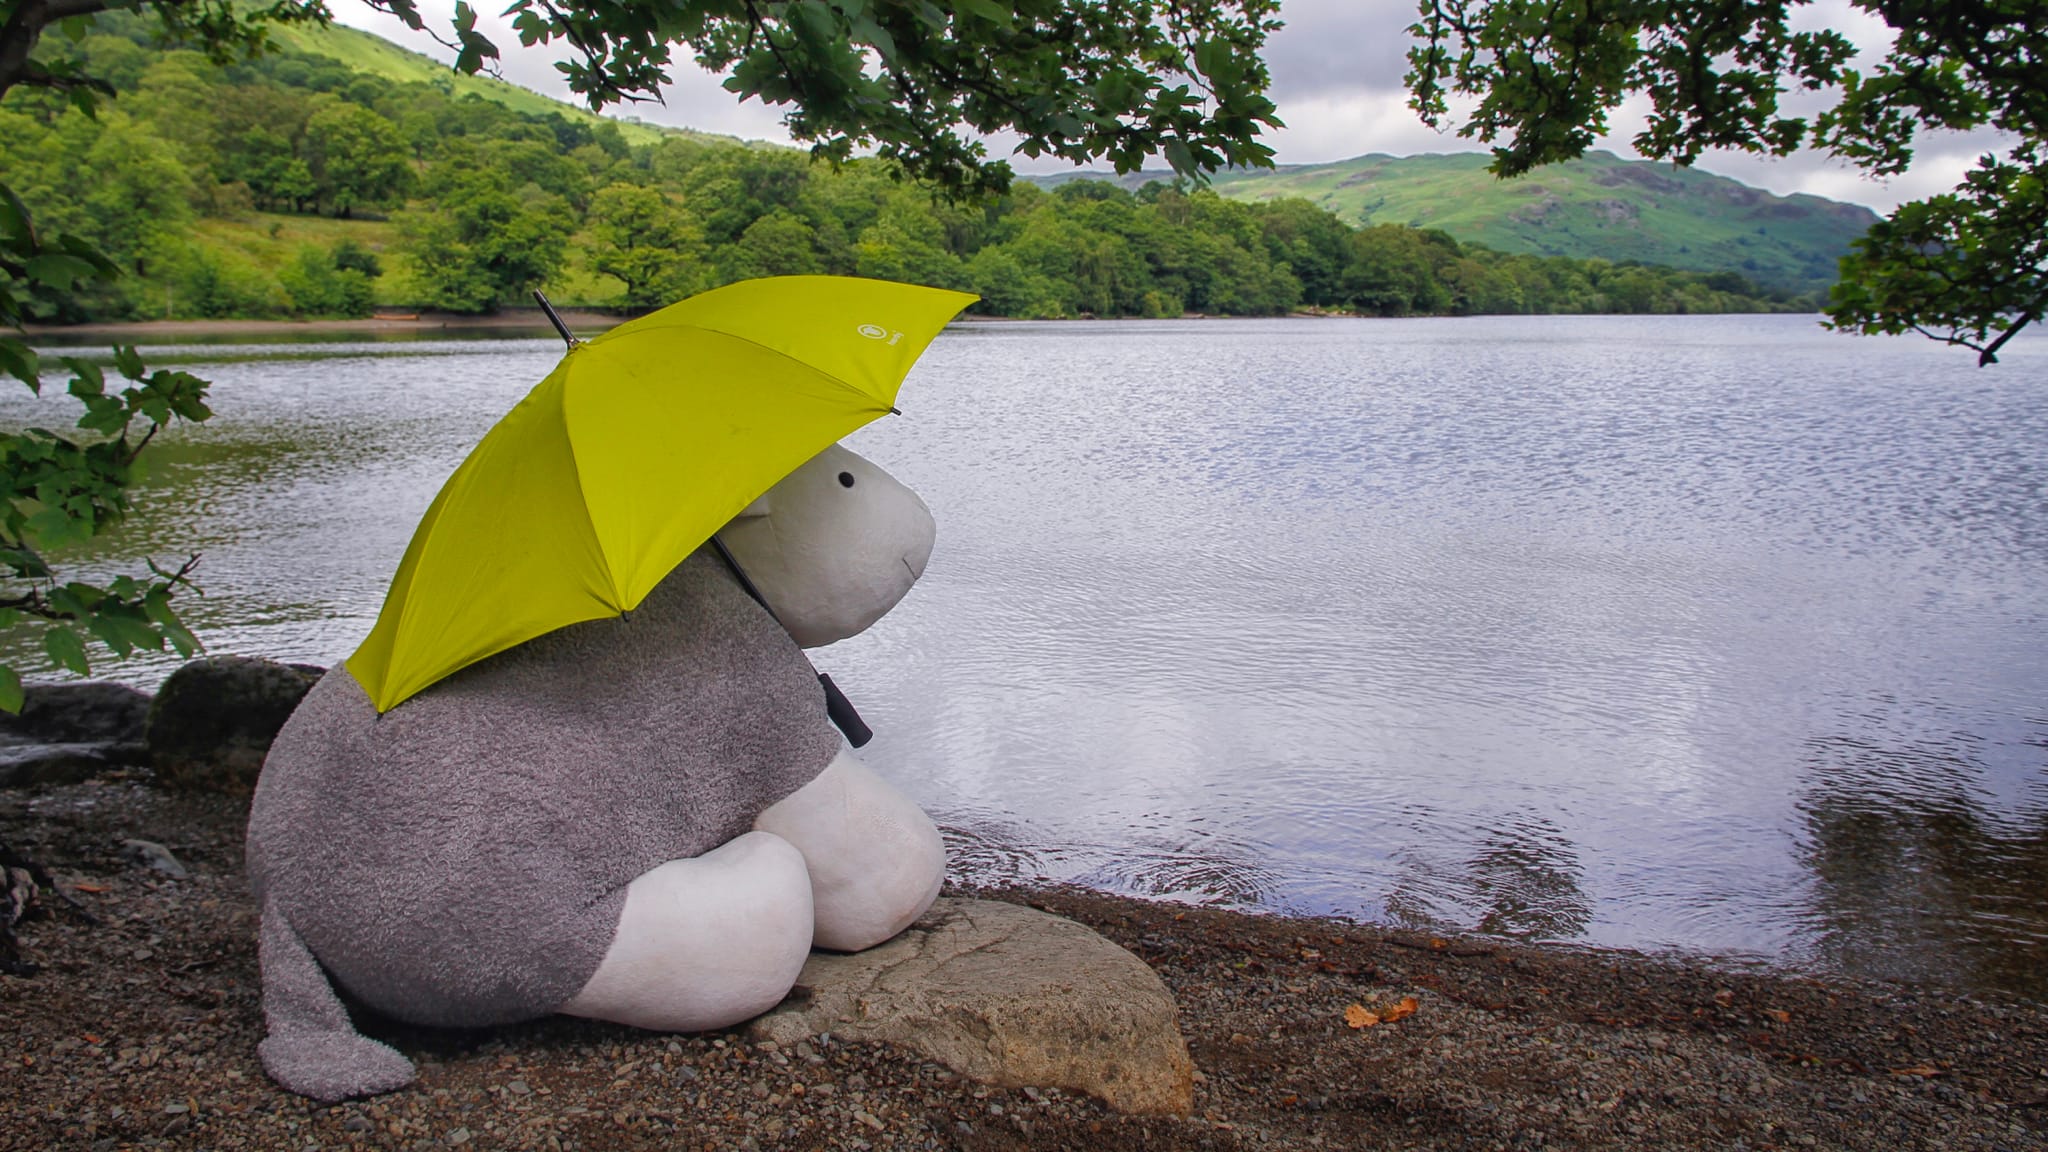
(463, 859)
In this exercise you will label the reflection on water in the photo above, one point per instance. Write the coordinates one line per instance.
(1522, 881)
(1715, 633)
(1919, 873)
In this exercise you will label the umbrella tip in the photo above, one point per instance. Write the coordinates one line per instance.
(554, 317)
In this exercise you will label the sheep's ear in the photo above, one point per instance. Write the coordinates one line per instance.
(758, 508)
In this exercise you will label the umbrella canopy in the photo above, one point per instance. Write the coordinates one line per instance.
(637, 447)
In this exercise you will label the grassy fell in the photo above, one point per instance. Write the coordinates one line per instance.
(1600, 206)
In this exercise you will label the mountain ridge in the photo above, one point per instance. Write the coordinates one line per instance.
(1599, 206)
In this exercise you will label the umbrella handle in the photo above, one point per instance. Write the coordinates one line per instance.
(840, 711)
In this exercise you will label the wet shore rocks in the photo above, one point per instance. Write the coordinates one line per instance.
(206, 729)
(141, 1029)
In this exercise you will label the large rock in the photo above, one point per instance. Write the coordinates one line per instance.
(90, 713)
(65, 733)
(1005, 995)
(214, 719)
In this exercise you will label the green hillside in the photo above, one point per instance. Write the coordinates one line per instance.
(365, 52)
(1600, 206)
(341, 174)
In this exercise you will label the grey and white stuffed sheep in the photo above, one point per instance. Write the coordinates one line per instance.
(647, 819)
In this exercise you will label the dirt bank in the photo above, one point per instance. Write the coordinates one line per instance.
(141, 1029)
(526, 320)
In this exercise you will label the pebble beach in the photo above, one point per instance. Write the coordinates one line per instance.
(139, 1028)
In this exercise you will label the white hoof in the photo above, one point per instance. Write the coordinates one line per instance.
(706, 942)
(876, 860)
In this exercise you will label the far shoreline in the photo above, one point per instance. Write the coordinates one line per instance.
(392, 322)
(581, 321)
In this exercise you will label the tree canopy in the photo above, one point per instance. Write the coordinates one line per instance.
(1969, 267)
(917, 80)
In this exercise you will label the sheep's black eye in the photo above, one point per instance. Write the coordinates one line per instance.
(846, 479)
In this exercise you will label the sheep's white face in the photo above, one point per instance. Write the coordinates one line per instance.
(833, 546)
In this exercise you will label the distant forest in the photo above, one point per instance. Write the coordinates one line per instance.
(295, 185)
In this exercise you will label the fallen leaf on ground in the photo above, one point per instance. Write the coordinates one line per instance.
(1400, 1011)
(88, 887)
(1778, 1014)
(1918, 1070)
(1358, 1017)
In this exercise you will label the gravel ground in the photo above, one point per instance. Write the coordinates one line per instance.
(141, 1030)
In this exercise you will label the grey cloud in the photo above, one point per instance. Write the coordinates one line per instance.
(1339, 46)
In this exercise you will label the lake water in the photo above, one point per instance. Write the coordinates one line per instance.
(1715, 634)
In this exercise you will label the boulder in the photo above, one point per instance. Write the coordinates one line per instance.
(1005, 995)
(94, 712)
(213, 720)
(66, 733)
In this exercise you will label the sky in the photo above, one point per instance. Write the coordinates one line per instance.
(1336, 69)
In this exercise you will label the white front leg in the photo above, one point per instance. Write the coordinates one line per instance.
(876, 860)
(705, 942)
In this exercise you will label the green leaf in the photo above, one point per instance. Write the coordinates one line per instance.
(157, 606)
(67, 650)
(26, 565)
(87, 380)
(988, 10)
(812, 19)
(109, 632)
(58, 270)
(53, 527)
(185, 642)
(104, 414)
(14, 220)
(124, 632)
(129, 362)
(11, 695)
(21, 362)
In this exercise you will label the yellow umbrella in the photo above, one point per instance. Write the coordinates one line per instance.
(637, 447)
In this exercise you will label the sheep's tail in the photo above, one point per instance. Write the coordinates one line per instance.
(312, 1048)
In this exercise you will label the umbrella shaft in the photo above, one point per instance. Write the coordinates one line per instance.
(553, 317)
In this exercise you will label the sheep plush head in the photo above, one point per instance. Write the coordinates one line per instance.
(833, 546)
